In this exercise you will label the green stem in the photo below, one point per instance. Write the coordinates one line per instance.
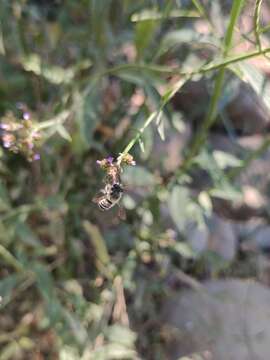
(186, 75)
(140, 132)
(169, 71)
(256, 21)
(212, 112)
(202, 12)
(10, 259)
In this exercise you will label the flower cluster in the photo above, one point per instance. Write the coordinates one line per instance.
(106, 163)
(20, 135)
(126, 159)
(109, 161)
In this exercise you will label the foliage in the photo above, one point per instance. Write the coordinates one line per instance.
(98, 78)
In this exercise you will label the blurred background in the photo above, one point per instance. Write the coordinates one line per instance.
(186, 275)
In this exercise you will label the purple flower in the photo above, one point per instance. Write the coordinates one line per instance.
(7, 144)
(98, 162)
(4, 126)
(36, 157)
(110, 159)
(26, 115)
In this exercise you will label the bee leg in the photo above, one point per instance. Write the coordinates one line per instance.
(121, 212)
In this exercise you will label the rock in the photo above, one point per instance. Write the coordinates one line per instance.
(219, 236)
(246, 110)
(230, 319)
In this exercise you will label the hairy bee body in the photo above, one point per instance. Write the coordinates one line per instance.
(112, 195)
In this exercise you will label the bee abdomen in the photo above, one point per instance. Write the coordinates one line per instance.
(105, 204)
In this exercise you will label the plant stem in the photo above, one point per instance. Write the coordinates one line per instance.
(186, 76)
(202, 12)
(10, 259)
(202, 70)
(256, 21)
(140, 132)
(211, 115)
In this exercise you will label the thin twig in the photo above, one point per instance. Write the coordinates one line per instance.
(256, 21)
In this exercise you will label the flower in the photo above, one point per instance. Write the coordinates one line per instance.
(36, 157)
(126, 159)
(20, 136)
(26, 115)
(110, 159)
(4, 126)
(106, 163)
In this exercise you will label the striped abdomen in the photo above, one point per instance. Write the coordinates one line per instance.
(105, 204)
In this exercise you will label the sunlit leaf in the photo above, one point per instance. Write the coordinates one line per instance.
(141, 143)
(172, 90)
(225, 159)
(178, 202)
(152, 14)
(121, 335)
(144, 35)
(63, 132)
(160, 124)
(54, 74)
(191, 37)
(254, 77)
(205, 201)
(184, 250)
(98, 242)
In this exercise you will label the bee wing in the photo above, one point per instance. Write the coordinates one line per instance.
(122, 213)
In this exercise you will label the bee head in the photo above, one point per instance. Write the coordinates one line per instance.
(117, 187)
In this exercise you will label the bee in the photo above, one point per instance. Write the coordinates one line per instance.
(112, 193)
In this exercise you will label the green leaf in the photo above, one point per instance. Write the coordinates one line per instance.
(87, 116)
(46, 287)
(178, 202)
(4, 198)
(114, 351)
(63, 132)
(177, 38)
(144, 35)
(173, 90)
(44, 281)
(98, 242)
(134, 76)
(205, 201)
(121, 335)
(7, 285)
(141, 144)
(160, 124)
(226, 192)
(184, 250)
(78, 330)
(54, 74)
(138, 176)
(148, 140)
(154, 15)
(225, 160)
(254, 77)
(26, 235)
